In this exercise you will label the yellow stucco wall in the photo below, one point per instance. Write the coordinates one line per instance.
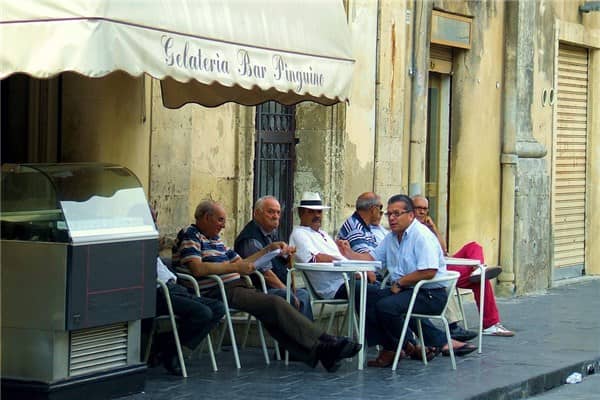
(200, 153)
(359, 148)
(107, 120)
(476, 112)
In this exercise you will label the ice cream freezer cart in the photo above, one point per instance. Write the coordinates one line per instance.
(78, 273)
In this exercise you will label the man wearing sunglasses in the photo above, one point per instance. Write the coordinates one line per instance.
(359, 228)
(411, 254)
(363, 228)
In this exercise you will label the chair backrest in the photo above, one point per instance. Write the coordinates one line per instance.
(450, 276)
(310, 288)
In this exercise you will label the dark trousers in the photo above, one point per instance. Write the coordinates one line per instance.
(386, 313)
(292, 330)
(197, 315)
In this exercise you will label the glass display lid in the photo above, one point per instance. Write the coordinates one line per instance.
(77, 203)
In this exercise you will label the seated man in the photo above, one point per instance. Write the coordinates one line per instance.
(363, 229)
(357, 228)
(468, 280)
(257, 234)
(200, 251)
(314, 245)
(411, 253)
(197, 316)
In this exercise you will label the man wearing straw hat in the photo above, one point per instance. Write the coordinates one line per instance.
(316, 246)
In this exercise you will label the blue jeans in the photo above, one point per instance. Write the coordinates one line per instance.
(386, 312)
(303, 298)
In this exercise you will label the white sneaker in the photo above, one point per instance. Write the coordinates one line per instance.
(498, 330)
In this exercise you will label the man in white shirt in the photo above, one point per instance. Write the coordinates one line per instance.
(314, 245)
(411, 254)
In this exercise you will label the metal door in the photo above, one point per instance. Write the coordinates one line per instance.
(275, 158)
(569, 162)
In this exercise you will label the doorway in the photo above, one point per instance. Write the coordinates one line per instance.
(437, 158)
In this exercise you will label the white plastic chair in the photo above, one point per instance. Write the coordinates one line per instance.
(172, 318)
(315, 298)
(475, 264)
(451, 277)
(194, 283)
(229, 324)
(263, 287)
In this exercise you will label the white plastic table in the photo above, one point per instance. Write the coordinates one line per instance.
(482, 268)
(353, 268)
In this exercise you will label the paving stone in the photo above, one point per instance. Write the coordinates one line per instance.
(556, 333)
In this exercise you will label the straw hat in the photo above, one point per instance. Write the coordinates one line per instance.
(312, 200)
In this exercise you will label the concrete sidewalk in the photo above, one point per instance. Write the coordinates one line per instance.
(557, 333)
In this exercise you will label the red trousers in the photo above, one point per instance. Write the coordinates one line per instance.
(474, 251)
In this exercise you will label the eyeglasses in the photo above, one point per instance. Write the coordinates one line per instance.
(396, 214)
(380, 206)
(422, 208)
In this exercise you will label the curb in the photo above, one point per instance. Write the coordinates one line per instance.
(539, 384)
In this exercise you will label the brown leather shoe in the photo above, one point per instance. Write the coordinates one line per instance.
(384, 359)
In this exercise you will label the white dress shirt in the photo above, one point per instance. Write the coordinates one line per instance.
(308, 244)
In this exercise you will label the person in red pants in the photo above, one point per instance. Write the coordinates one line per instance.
(469, 279)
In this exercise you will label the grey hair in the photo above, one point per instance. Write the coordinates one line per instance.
(366, 202)
(205, 207)
(260, 202)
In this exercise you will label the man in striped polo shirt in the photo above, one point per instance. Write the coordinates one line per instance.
(200, 251)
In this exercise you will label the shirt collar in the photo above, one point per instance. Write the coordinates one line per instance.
(265, 233)
(361, 221)
(205, 235)
(409, 229)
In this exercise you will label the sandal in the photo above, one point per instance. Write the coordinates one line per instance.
(414, 352)
(461, 351)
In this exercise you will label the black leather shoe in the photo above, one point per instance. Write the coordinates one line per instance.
(330, 353)
(462, 335)
(171, 363)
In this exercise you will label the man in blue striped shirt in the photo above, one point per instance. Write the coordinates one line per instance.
(357, 228)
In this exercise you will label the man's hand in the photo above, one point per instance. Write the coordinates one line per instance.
(371, 277)
(288, 251)
(296, 302)
(245, 267)
(429, 222)
(344, 247)
(324, 258)
(276, 245)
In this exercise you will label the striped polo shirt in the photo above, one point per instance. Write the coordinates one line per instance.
(193, 244)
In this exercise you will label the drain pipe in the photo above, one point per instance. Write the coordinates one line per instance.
(418, 108)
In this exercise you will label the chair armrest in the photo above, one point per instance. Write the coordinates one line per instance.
(165, 290)
(448, 276)
(261, 278)
(384, 281)
(192, 280)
